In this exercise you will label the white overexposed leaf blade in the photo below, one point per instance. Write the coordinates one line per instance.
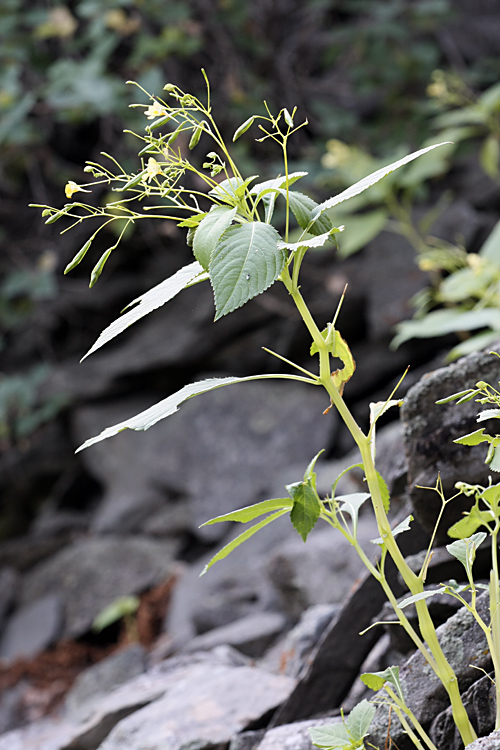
(169, 405)
(151, 300)
(371, 179)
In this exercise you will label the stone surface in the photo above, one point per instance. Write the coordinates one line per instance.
(294, 736)
(98, 680)
(91, 573)
(429, 434)
(492, 742)
(8, 584)
(251, 634)
(321, 571)
(204, 702)
(464, 645)
(480, 704)
(292, 652)
(46, 734)
(236, 437)
(32, 628)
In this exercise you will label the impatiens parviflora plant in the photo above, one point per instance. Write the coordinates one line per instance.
(238, 249)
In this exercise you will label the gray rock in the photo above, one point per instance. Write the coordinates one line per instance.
(291, 653)
(251, 634)
(492, 742)
(323, 570)
(294, 736)
(465, 647)
(8, 585)
(205, 701)
(12, 707)
(46, 734)
(480, 704)
(429, 434)
(32, 628)
(232, 589)
(95, 682)
(92, 573)
(234, 436)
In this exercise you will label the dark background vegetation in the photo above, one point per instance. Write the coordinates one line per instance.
(358, 69)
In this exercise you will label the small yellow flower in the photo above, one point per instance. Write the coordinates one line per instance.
(153, 169)
(71, 187)
(155, 110)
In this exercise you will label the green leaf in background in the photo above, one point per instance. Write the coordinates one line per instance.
(225, 551)
(306, 507)
(150, 301)
(489, 154)
(491, 247)
(442, 322)
(209, 230)
(370, 180)
(360, 229)
(245, 262)
(243, 515)
(120, 607)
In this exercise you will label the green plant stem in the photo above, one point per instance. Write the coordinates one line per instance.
(495, 618)
(439, 663)
(401, 710)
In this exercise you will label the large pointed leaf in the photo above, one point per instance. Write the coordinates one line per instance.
(209, 231)
(244, 263)
(306, 507)
(243, 515)
(168, 406)
(370, 180)
(225, 551)
(150, 301)
(330, 737)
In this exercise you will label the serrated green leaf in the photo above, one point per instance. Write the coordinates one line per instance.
(306, 507)
(273, 186)
(243, 515)
(474, 438)
(359, 720)
(225, 551)
(245, 262)
(317, 241)
(150, 301)
(404, 525)
(370, 180)
(302, 208)
(331, 737)
(209, 231)
(309, 472)
(488, 414)
(494, 463)
(231, 190)
(79, 256)
(384, 492)
(168, 406)
(243, 128)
